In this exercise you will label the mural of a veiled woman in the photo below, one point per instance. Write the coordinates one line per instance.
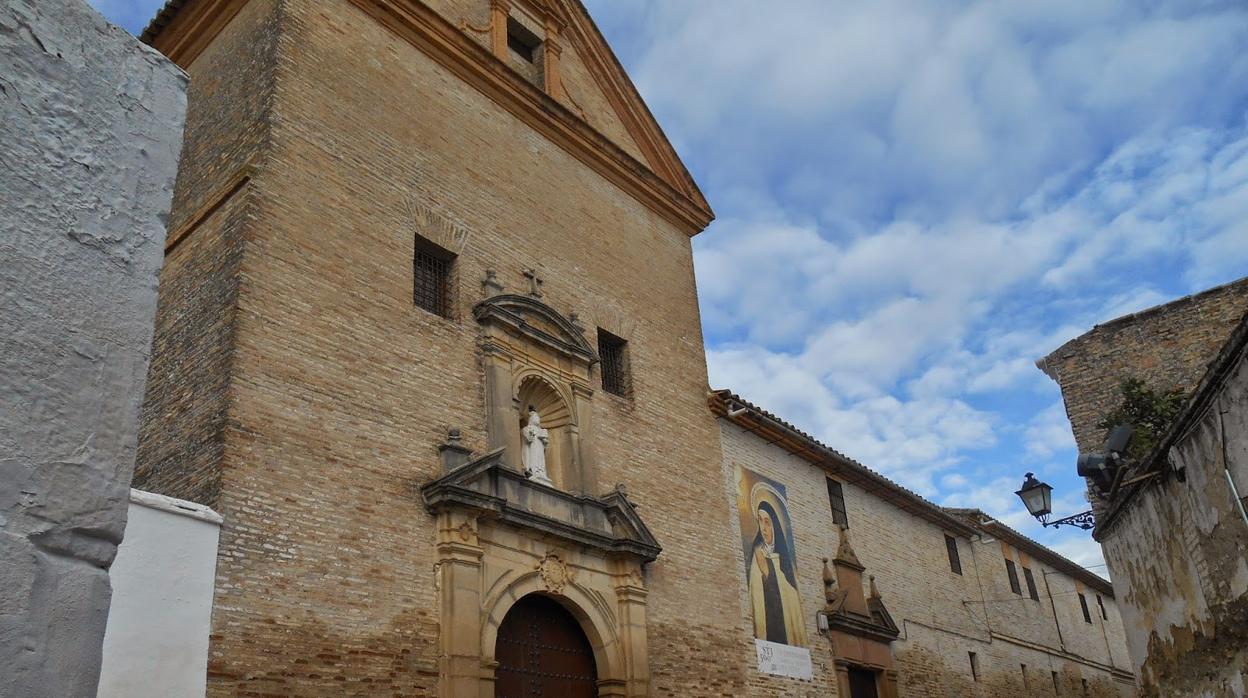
(772, 579)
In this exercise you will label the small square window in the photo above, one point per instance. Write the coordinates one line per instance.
(1012, 573)
(613, 352)
(1083, 604)
(522, 42)
(431, 267)
(955, 562)
(836, 499)
(1031, 584)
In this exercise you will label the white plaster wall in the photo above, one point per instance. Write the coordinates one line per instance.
(156, 641)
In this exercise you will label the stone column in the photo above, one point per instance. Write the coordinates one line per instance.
(630, 595)
(499, 11)
(583, 439)
(459, 621)
(92, 131)
(550, 64)
(502, 418)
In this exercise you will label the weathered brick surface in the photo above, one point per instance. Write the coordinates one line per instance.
(942, 615)
(329, 390)
(182, 437)
(1168, 346)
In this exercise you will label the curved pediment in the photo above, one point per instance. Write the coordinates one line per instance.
(534, 319)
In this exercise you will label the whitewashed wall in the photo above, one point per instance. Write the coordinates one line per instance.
(156, 641)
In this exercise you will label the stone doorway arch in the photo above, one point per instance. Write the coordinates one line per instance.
(542, 651)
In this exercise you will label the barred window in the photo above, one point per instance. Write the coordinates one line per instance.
(1013, 575)
(955, 562)
(431, 288)
(613, 352)
(1031, 584)
(836, 498)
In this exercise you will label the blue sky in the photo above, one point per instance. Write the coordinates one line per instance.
(917, 199)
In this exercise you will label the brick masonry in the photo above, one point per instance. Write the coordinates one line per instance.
(1174, 546)
(301, 394)
(943, 616)
(1167, 346)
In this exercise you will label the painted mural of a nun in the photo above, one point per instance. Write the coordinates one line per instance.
(772, 581)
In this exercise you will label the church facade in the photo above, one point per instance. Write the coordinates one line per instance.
(428, 341)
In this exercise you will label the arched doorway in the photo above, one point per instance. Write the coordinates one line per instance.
(542, 651)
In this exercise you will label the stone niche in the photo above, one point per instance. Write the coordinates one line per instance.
(501, 536)
(534, 356)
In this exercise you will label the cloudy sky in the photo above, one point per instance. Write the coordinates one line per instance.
(917, 199)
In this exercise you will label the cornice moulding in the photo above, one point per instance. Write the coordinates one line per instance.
(183, 28)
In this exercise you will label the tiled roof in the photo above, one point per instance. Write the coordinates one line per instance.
(162, 19)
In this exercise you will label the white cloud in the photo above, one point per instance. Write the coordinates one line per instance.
(1048, 432)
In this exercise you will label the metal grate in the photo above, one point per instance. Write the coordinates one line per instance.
(613, 352)
(432, 274)
(836, 498)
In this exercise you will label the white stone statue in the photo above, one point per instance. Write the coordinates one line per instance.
(533, 454)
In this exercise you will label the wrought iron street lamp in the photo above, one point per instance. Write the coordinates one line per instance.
(1037, 496)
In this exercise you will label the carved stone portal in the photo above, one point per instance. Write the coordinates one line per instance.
(593, 552)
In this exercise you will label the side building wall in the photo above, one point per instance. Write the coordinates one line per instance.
(1167, 346)
(943, 616)
(326, 390)
(1176, 551)
(92, 126)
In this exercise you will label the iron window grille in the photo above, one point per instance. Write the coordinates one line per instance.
(431, 274)
(836, 499)
(613, 352)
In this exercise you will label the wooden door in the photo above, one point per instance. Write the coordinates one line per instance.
(542, 652)
(862, 684)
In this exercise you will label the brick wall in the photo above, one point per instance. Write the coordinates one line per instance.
(942, 615)
(1168, 346)
(330, 389)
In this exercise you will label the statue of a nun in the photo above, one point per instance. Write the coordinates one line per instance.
(533, 454)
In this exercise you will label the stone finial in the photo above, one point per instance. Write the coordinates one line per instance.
(845, 552)
(829, 582)
(576, 321)
(875, 593)
(452, 452)
(490, 285)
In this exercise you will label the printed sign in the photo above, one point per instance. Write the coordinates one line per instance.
(783, 660)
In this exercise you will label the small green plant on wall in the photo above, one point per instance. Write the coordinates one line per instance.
(1148, 411)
